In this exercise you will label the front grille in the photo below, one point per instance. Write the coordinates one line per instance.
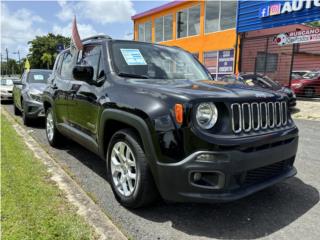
(255, 116)
(9, 91)
(264, 173)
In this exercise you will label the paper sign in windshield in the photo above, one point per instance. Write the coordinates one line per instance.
(133, 56)
(38, 77)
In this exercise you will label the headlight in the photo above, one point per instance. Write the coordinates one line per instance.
(35, 95)
(207, 115)
(297, 85)
(3, 91)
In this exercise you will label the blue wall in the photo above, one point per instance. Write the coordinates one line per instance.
(249, 19)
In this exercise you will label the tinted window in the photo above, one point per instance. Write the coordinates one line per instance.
(212, 16)
(182, 23)
(194, 21)
(266, 62)
(91, 57)
(228, 14)
(155, 62)
(67, 65)
(38, 77)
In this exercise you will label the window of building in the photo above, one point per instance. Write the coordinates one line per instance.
(188, 22)
(220, 15)
(145, 32)
(163, 28)
(266, 62)
(219, 63)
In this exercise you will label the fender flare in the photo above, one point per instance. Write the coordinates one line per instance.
(136, 122)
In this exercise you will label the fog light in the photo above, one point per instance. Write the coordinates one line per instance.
(197, 176)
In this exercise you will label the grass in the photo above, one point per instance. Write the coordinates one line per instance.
(33, 207)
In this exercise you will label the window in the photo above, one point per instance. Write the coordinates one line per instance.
(145, 32)
(266, 62)
(163, 28)
(219, 63)
(228, 14)
(188, 22)
(220, 15)
(67, 64)
(91, 56)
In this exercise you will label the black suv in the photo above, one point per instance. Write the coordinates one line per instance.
(164, 126)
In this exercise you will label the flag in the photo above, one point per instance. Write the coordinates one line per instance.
(75, 37)
(27, 65)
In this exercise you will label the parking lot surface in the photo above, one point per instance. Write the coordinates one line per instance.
(288, 210)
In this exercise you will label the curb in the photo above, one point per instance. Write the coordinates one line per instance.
(92, 214)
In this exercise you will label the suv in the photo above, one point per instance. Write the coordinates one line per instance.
(164, 126)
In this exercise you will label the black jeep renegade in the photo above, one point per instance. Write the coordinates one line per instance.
(164, 126)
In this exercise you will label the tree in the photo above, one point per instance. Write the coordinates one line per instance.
(11, 67)
(43, 50)
(47, 59)
(314, 24)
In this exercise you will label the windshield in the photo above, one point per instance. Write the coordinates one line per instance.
(141, 60)
(38, 77)
(311, 75)
(254, 80)
(6, 82)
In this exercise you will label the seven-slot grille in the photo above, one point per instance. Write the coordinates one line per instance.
(258, 116)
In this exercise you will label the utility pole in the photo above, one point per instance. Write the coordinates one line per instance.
(1, 65)
(18, 52)
(7, 66)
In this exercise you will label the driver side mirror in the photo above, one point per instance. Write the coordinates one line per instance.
(17, 82)
(83, 73)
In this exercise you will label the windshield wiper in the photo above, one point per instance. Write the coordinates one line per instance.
(132, 75)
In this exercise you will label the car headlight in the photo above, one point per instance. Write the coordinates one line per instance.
(3, 91)
(207, 115)
(297, 85)
(35, 95)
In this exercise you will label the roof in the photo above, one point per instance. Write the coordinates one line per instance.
(158, 9)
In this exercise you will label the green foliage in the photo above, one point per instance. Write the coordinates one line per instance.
(314, 24)
(12, 67)
(43, 50)
(32, 206)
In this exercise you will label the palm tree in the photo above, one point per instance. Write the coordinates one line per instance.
(47, 59)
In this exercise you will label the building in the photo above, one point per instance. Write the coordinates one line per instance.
(277, 38)
(207, 29)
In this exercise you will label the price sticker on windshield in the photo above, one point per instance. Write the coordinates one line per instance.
(133, 56)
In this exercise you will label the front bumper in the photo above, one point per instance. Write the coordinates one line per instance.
(233, 174)
(34, 109)
(6, 96)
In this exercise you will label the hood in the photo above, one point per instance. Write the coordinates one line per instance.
(202, 89)
(7, 88)
(38, 86)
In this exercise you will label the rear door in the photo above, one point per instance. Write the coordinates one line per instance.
(17, 90)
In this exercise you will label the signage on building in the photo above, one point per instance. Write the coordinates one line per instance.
(273, 8)
(225, 61)
(310, 35)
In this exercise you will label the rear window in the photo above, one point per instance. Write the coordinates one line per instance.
(38, 77)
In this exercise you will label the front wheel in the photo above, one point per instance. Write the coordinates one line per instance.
(129, 173)
(26, 120)
(53, 135)
(16, 109)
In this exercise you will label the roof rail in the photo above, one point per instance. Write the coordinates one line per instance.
(96, 37)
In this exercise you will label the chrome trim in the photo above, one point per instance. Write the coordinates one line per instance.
(243, 117)
(274, 114)
(240, 118)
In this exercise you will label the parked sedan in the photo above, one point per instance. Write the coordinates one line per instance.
(258, 80)
(27, 94)
(308, 85)
(6, 89)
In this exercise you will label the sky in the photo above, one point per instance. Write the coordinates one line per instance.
(21, 21)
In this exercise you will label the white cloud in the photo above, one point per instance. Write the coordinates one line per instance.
(99, 11)
(85, 30)
(17, 28)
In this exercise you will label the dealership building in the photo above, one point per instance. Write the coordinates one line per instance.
(267, 37)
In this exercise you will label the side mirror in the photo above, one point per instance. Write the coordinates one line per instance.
(83, 73)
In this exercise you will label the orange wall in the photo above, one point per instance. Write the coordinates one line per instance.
(194, 44)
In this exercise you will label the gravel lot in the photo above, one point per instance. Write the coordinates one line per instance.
(288, 210)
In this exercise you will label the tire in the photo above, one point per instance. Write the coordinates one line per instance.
(26, 120)
(16, 109)
(53, 135)
(309, 92)
(142, 191)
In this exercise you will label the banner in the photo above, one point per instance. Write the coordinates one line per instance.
(303, 36)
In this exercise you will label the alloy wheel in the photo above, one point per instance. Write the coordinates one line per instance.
(49, 126)
(123, 168)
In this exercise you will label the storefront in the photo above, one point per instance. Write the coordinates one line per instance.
(204, 28)
(280, 39)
